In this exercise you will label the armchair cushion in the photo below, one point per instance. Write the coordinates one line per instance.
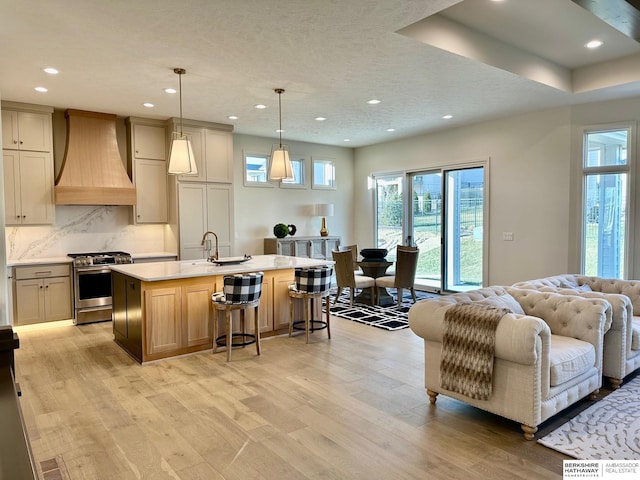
(635, 334)
(569, 358)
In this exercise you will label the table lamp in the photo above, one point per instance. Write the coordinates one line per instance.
(324, 210)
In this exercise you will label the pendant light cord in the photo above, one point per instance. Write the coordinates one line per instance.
(180, 72)
(280, 91)
(180, 87)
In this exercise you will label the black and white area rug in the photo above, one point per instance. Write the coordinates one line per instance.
(389, 317)
(607, 430)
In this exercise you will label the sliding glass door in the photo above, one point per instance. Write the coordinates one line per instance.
(442, 213)
(464, 227)
(425, 227)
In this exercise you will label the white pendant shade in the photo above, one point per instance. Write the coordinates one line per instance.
(280, 168)
(181, 158)
(280, 164)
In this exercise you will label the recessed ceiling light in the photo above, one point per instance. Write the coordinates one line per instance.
(279, 130)
(41, 89)
(594, 44)
(170, 91)
(148, 104)
(51, 70)
(232, 117)
(391, 129)
(347, 139)
(373, 101)
(260, 106)
(321, 119)
(447, 117)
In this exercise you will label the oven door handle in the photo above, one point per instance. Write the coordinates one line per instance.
(93, 270)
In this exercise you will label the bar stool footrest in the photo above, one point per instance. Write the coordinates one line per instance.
(314, 325)
(243, 339)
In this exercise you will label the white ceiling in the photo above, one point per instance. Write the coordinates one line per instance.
(330, 56)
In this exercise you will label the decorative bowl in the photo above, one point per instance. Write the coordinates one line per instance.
(373, 254)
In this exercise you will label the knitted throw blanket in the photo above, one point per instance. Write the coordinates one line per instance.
(468, 345)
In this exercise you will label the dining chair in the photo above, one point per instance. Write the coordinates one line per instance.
(405, 272)
(346, 277)
(354, 252)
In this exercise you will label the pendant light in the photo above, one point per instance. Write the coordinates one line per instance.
(280, 162)
(181, 159)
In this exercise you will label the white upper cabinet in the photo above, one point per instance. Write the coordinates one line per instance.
(149, 142)
(28, 164)
(213, 148)
(28, 188)
(147, 161)
(26, 131)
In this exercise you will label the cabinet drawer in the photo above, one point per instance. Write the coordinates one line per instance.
(42, 271)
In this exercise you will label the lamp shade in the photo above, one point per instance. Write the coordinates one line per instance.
(324, 209)
(181, 158)
(280, 164)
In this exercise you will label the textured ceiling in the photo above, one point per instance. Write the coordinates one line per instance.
(330, 56)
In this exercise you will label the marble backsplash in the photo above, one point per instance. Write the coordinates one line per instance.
(84, 229)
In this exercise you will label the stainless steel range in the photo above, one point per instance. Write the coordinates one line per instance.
(92, 284)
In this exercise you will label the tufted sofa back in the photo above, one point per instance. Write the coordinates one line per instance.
(629, 288)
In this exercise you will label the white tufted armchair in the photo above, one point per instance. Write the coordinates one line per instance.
(546, 358)
(622, 342)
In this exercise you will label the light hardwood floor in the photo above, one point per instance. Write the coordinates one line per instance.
(352, 407)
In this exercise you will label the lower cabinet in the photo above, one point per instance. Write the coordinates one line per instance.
(178, 318)
(42, 294)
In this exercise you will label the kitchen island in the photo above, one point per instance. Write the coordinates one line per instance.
(163, 309)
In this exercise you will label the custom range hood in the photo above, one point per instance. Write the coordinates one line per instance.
(92, 171)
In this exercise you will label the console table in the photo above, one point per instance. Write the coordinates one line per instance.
(306, 247)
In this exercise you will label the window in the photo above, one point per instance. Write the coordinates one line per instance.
(299, 175)
(324, 174)
(605, 201)
(256, 167)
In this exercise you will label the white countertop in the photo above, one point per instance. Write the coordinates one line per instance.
(156, 271)
(38, 261)
(153, 255)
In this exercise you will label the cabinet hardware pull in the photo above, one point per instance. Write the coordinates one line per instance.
(15, 141)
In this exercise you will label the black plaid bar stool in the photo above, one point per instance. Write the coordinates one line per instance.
(239, 292)
(311, 284)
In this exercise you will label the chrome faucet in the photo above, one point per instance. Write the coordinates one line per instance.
(216, 255)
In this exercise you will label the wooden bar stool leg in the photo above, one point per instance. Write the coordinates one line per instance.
(227, 315)
(243, 326)
(328, 315)
(306, 317)
(290, 316)
(215, 331)
(257, 330)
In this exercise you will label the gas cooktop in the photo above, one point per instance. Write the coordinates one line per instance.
(99, 258)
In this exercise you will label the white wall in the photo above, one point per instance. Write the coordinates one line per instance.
(529, 158)
(258, 209)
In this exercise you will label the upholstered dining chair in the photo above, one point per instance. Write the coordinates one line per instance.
(405, 272)
(345, 276)
(240, 292)
(311, 284)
